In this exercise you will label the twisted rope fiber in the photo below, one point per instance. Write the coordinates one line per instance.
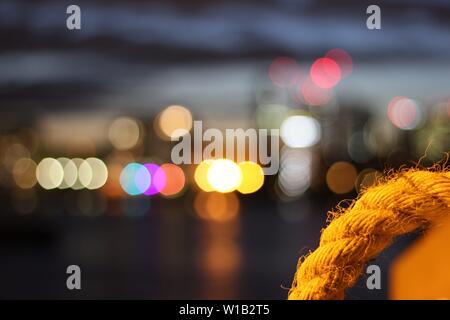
(399, 204)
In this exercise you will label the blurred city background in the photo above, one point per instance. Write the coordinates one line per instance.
(86, 119)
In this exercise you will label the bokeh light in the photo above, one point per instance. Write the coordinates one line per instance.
(215, 206)
(325, 73)
(404, 113)
(112, 187)
(284, 71)
(201, 175)
(124, 133)
(175, 180)
(174, 118)
(341, 177)
(85, 173)
(295, 171)
(313, 95)
(135, 179)
(343, 59)
(77, 162)
(93, 173)
(49, 173)
(24, 173)
(70, 173)
(300, 131)
(158, 179)
(224, 175)
(252, 177)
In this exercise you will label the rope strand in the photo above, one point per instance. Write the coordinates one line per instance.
(407, 201)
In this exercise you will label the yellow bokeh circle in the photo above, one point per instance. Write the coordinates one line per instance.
(252, 177)
(224, 175)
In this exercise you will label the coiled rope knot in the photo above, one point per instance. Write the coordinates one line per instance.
(402, 203)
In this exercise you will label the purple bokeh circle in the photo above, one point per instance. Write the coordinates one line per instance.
(158, 179)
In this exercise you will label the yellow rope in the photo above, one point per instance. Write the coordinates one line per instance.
(401, 204)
